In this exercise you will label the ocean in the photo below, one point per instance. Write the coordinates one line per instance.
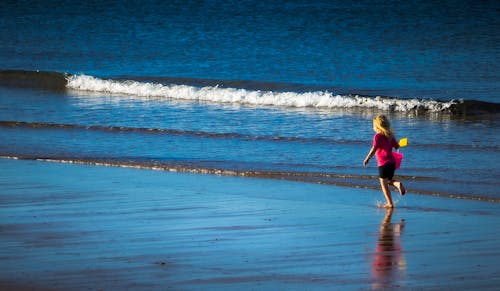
(278, 90)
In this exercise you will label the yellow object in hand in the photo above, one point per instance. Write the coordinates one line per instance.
(403, 142)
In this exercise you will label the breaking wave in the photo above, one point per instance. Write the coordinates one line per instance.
(239, 92)
(318, 99)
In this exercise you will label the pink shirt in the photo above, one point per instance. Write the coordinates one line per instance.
(384, 149)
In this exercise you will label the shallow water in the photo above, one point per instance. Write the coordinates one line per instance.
(313, 145)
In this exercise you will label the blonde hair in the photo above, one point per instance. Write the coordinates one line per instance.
(382, 125)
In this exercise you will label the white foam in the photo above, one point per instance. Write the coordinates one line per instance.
(317, 99)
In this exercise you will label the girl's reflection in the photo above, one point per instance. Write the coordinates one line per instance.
(388, 265)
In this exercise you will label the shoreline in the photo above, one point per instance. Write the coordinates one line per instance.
(329, 179)
(72, 226)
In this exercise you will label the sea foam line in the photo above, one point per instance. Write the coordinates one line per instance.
(343, 180)
(318, 99)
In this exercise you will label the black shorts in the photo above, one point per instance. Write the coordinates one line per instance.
(387, 171)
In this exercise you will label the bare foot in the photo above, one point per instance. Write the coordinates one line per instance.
(387, 205)
(401, 188)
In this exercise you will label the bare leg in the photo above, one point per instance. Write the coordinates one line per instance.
(399, 186)
(384, 183)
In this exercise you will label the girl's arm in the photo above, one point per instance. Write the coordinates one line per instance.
(395, 144)
(368, 157)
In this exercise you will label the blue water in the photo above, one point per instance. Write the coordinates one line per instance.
(397, 48)
(258, 89)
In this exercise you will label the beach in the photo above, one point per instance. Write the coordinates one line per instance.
(177, 145)
(74, 227)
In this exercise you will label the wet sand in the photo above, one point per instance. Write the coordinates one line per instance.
(74, 227)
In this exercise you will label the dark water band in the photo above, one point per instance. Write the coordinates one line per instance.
(226, 135)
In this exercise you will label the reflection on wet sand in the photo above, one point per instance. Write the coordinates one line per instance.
(389, 265)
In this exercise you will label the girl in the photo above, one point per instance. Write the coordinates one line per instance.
(383, 142)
